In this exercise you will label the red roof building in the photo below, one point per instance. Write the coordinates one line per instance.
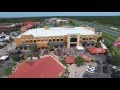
(46, 67)
(70, 59)
(96, 50)
(87, 58)
(29, 22)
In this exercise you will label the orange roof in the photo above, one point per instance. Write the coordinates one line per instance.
(96, 50)
(70, 59)
(46, 67)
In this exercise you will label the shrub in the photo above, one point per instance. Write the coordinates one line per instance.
(79, 61)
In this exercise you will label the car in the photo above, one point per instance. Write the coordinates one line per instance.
(90, 69)
(105, 69)
(14, 52)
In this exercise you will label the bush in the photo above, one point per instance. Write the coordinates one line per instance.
(34, 49)
(8, 71)
(114, 60)
(63, 76)
(64, 62)
(50, 48)
(79, 61)
(15, 57)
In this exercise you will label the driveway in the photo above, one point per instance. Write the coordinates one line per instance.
(76, 72)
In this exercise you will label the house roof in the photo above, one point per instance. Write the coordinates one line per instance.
(46, 67)
(70, 59)
(96, 50)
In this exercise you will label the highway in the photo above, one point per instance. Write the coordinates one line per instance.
(102, 28)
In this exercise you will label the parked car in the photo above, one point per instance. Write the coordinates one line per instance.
(14, 52)
(105, 69)
(90, 69)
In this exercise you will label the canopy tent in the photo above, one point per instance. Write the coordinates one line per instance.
(80, 48)
(3, 58)
(70, 59)
(96, 50)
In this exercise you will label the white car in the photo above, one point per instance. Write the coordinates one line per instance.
(90, 69)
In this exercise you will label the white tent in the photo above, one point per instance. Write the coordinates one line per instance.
(3, 58)
(80, 48)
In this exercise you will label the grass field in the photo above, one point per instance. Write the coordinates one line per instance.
(109, 39)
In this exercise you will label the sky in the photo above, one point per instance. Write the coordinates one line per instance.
(32, 14)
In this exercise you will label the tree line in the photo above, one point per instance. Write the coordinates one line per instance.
(112, 20)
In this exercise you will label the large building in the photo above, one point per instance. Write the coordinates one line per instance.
(57, 36)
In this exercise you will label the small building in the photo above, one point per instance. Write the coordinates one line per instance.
(97, 50)
(70, 59)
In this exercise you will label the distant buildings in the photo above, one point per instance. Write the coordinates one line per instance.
(28, 25)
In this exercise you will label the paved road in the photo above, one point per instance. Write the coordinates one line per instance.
(102, 28)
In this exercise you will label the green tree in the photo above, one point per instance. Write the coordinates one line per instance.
(63, 76)
(79, 61)
(114, 60)
(63, 62)
(15, 57)
(34, 49)
(8, 71)
(50, 48)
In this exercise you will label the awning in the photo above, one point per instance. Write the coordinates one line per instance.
(96, 50)
(27, 45)
(57, 43)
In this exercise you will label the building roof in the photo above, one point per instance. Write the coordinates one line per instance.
(70, 59)
(87, 58)
(46, 67)
(96, 50)
(57, 31)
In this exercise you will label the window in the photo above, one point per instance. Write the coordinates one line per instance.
(57, 39)
(26, 41)
(31, 41)
(38, 40)
(34, 40)
(90, 38)
(53, 39)
(83, 38)
(49, 40)
(23, 42)
(73, 40)
(42, 40)
(61, 39)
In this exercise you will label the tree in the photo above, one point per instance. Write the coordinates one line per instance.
(63, 76)
(8, 71)
(34, 49)
(50, 48)
(15, 57)
(114, 60)
(63, 62)
(93, 59)
(79, 61)
(36, 54)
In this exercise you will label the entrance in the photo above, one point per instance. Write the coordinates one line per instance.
(73, 45)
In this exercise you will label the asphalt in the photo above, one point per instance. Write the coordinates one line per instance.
(102, 28)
